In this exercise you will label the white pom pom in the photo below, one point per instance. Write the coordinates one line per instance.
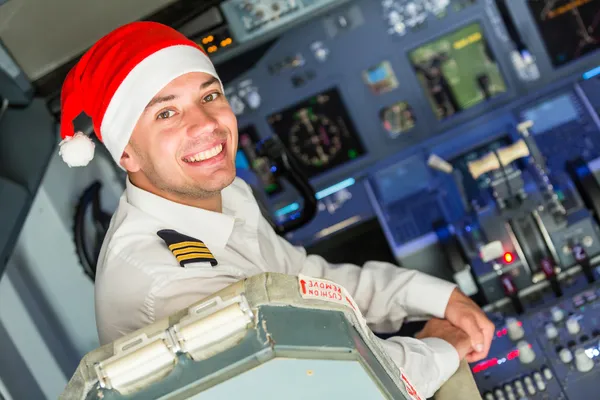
(78, 150)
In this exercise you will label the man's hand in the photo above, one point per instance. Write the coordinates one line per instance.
(443, 329)
(463, 313)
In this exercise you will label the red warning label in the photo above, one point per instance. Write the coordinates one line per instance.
(321, 289)
(410, 389)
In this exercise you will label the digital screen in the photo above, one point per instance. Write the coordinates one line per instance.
(551, 113)
(248, 138)
(380, 78)
(318, 133)
(570, 29)
(457, 71)
(398, 118)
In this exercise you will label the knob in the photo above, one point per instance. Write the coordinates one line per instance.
(573, 326)
(551, 331)
(515, 329)
(557, 314)
(565, 355)
(582, 361)
(253, 99)
(526, 353)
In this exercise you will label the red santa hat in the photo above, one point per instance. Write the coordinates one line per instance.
(114, 81)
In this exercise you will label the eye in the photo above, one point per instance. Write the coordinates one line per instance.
(211, 97)
(165, 114)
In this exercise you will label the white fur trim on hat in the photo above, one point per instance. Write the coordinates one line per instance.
(144, 81)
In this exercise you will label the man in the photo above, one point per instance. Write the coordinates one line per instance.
(186, 227)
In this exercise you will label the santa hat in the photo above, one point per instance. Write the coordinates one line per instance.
(115, 80)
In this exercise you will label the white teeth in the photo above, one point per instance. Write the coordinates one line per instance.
(205, 155)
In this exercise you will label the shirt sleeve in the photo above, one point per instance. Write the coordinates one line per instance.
(385, 293)
(428, 363)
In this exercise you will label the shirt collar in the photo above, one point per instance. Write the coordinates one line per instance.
(213, 228)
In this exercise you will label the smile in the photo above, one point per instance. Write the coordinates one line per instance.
(205, 155)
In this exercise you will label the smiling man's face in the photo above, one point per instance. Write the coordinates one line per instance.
(184, 144)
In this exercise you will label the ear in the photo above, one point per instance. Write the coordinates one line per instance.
(130, 160)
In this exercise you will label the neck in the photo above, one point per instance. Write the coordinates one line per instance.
(212, 203)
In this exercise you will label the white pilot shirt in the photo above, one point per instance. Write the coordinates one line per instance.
(139, 280)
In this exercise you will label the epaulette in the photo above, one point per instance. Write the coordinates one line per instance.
(186, 249)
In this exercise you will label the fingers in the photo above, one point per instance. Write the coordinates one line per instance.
(468, 323)
(488, 330)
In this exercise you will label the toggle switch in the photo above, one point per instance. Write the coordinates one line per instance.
(551, 331)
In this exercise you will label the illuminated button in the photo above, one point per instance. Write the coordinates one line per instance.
(582, 361)
(565, 356)
(573, 325)
(508, 388)
(520, 388)
(515, 329)
(531, 389)
(253, 99)
(537, 377)
(510, 396)
(551, 331)
(557, 314)
(499, 394)
(566, 250)
(237, 105)
(541, 385)
(489, 396)
(547, 373)
(588, 241)
(526, 353)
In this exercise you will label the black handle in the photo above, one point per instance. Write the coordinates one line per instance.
(286, 167)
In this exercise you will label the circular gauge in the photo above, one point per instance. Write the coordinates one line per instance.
(402, 15)
(315, 139)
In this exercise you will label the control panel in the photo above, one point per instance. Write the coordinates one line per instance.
(467, 131)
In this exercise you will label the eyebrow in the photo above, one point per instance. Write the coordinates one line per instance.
(170, 97)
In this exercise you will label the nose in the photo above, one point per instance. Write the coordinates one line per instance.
(200, 122)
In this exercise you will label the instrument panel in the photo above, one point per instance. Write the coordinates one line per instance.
(467, 129)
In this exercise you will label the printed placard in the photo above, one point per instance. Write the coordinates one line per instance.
(323, 289)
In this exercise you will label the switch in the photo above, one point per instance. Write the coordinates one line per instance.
(557, 314)
(510, 289)
(573, 325)
(582, 361)
(565, 355)
(499, 394)
(550, 271)
(547, 373)
(526, 353)
(551, 331)
(520, 389)
(580, 255)
(515, 329)
(539, 381)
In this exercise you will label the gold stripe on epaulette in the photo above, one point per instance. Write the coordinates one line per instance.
(191, 249)
(179, 245)
(191, 256)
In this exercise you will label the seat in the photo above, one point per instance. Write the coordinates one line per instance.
(271, 336)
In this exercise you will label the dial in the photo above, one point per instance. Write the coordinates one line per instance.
(314, 138)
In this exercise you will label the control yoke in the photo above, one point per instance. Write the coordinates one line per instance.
(284, 166)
